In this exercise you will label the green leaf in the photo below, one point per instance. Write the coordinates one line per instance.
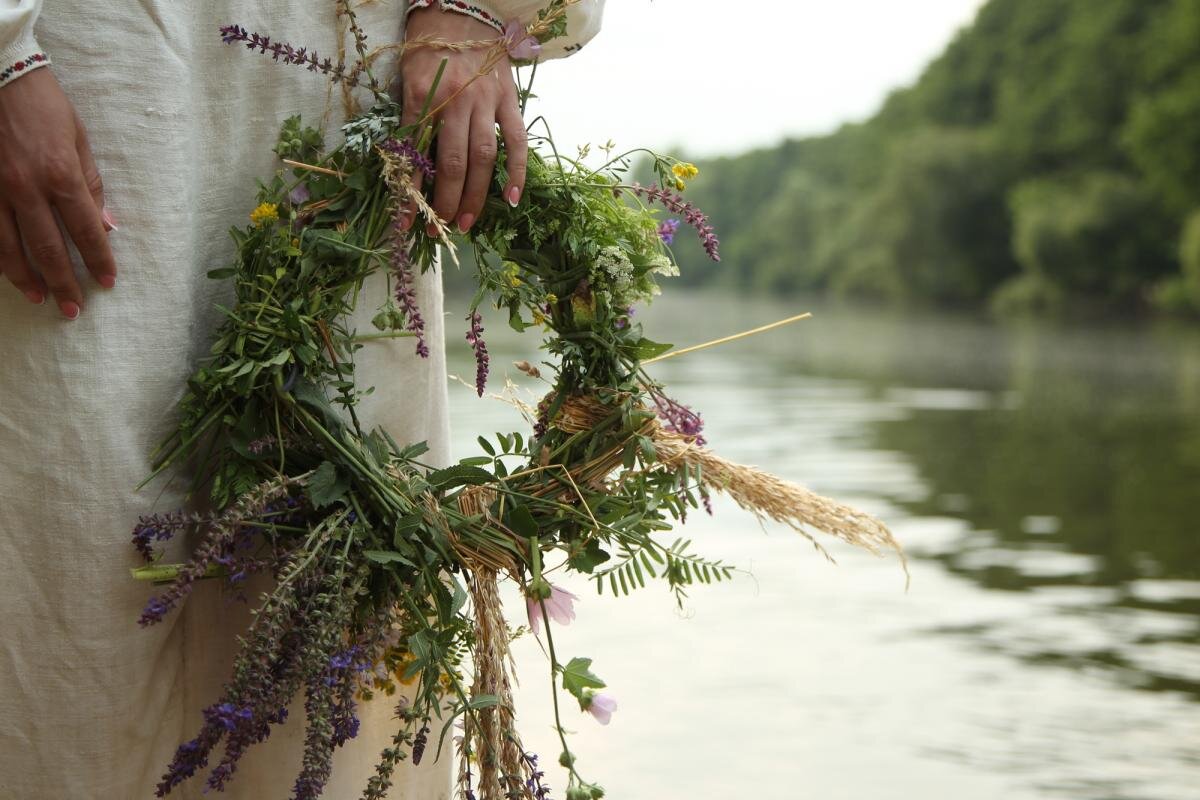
(577, 676)
(222, 273)
(459, 475)
(522, 522)
(644, 349)
(590, 557)
(387, 557)
(476, 461)
(327, 486)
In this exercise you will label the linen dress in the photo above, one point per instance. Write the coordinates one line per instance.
(181, 126)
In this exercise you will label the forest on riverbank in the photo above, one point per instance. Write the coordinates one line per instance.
(1050, 157)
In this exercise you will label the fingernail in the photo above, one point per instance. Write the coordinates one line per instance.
(107, 219)
(465, 222)
(35, 297)
(406, 222)
(69, 310)
(431, 229)
(107, 281)
(514, 196)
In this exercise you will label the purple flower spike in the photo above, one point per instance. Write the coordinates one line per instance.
(282, 51)
(406, 149)
(475, 337)
(680, 418)
(406, 294)
(693, 216)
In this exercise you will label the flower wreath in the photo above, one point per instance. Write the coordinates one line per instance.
(385, 570)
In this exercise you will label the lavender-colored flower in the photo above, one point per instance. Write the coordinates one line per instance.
(300, 56)
(560, 605)
(667, 229)
(693, 216)
(475, 337)
(299, 195)
(406, 294)
(406, 149)
(601, 706)
(539, 790)
(680, 418)
(156, 528)
(520, 45)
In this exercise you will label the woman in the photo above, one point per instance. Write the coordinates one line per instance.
(178, 129)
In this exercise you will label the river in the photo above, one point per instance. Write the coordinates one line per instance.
(1044, 480)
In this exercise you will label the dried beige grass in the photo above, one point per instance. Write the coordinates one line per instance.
(759, 492)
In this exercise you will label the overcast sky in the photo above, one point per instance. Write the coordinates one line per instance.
(721, 77)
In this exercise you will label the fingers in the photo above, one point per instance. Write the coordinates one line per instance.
(482, 165)
(49, 252)
(13, 263)
(451, 163)
(516, 148)
(91, 174)
(83, 222)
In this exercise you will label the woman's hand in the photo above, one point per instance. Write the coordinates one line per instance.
(46, 166)
(466, 143)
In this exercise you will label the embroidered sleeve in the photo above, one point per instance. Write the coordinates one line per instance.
(19, 51)
(583, 18)
(476, 10)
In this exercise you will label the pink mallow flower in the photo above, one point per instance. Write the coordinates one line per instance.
(601, 706)
(560, 605)
(520, 45)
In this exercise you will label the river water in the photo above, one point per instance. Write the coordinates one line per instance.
(1044, 480)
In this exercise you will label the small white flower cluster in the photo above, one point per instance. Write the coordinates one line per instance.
(664, 266)
(614, 267)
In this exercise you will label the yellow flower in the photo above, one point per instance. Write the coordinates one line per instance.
(685, 170)
(551, 298)
(680, 185)
(264, 214)
(447, 682)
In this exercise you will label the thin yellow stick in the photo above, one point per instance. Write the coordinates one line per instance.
(312, 167)
(725, 339)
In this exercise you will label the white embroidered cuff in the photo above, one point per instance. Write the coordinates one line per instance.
(479, 11)
(20, 58)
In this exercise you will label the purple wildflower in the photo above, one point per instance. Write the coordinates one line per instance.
(666, 230)
(475, 337)
(282, 51)
(539, 790)
(299, 195)
(261, 444)
(156, 528)
(692, 216)
(406, 294)
(406, 149)
(419, 743)
(680, 418)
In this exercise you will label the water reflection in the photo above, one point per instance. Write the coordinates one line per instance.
(1043, 479)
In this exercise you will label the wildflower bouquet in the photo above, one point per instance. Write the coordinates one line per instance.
(384, 569)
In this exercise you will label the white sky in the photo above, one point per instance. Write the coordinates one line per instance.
(721, 77)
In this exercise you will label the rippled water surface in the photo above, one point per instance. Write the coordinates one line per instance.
(1044, 480)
